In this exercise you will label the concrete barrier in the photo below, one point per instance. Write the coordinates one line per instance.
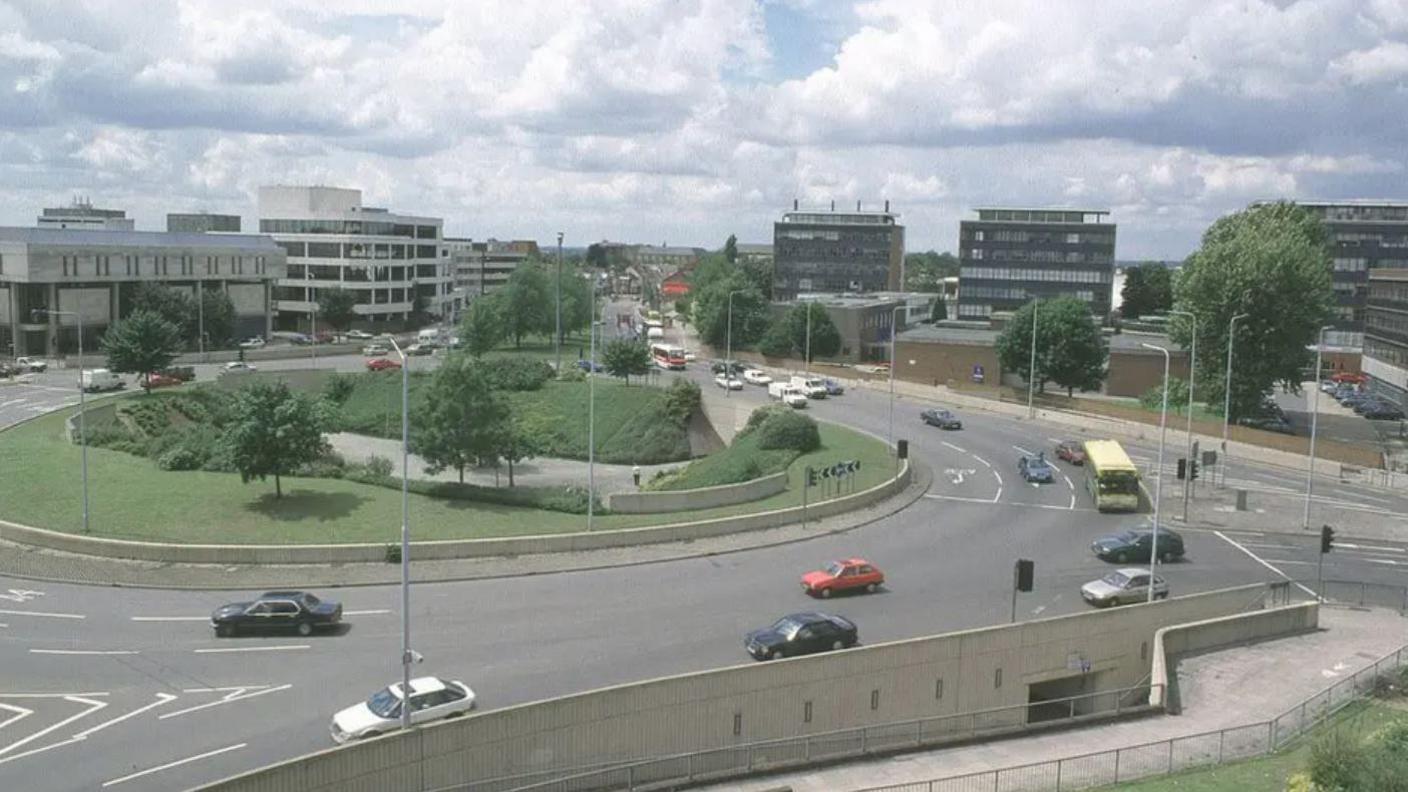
(1175, 640)
(992, 670)
(660, 501)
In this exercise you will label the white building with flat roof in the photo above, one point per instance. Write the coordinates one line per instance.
(334, 242)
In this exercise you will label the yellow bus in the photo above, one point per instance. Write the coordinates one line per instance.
(1112, 479)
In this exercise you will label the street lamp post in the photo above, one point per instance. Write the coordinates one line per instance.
(200, 320)
(807, 352)
(1031, 371)
(894, 318)
(407, 655)
(591, 422)
(1159, 476)
(1192, 372)
(728, 345)
(1227, 393)
(82, 405)
(557, 334)
(1314, 425)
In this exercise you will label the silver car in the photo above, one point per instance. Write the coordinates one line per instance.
(1123, 586)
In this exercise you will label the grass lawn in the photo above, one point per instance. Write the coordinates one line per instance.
(1269, 773)
(740, 461)
(133, 499)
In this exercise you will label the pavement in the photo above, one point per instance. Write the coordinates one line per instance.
(1221, 689)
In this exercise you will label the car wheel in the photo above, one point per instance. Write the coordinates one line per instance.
(767, 654)
(305, 628)
(837, 646)
(871, 588)
(825, 593)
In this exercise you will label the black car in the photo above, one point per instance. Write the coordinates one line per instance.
(1127, 546)
(940, 418)
(799, 634)
(277, 611)
(1384, 411)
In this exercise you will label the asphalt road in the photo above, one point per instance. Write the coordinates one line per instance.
(128, 689)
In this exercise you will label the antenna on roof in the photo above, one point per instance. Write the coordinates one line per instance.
(833, 204)
(857, 206)
(887, 206)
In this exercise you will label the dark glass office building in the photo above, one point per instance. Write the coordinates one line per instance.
(837, 252)
(1386, 334)
(1010, 256)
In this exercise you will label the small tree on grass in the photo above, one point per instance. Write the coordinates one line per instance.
(275, 431)
(623, 358)
(517, 440)
(825, 338)
(482, 328)
(140, 344)
(777, 341)
(336, 308)
(462, 419)
(1069, 348)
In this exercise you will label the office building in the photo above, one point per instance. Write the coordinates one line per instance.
(92, 273)
(663, 258)
(865, 321)
(83, 215)
(203, 223)
(1010, 256)
(482, 267)
(831, 251)
(1386, 334)
(388, 260)
(754, 253)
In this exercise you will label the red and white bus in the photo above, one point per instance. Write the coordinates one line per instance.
(668, 356)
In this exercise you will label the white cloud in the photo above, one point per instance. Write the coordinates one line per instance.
(1388, 61)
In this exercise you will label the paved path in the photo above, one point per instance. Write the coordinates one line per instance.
(1219, 690)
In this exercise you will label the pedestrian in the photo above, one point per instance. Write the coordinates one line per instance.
(635, 474)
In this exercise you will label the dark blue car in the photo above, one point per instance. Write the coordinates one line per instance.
(1036, 469)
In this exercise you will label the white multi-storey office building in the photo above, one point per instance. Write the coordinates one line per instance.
(333, 241)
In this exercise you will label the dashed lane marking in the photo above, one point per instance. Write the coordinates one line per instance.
(377, 612)
(1374, 548)
(42, 614)
(1021, 450)
(1069, 484)
(954, 447)
(998, 495)
(83, 651)
(232, 650)
(176, 763)
(1263, 562)
(169, 618)
(1056, 440)
(988, 502)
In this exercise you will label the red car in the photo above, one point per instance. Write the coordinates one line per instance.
(847, 575)
(382, 364)
(1351, 377)
(1072, 451)
(155, 380)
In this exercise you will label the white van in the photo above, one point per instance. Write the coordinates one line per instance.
(95, 380)
(654, 334)
(787, 394)
(428, 337)
(811, 386)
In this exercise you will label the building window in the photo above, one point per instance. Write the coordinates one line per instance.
(330, 250)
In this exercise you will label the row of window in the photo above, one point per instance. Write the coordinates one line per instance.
(1048, 256)
(358, 250)
(1349, 265)
(1387, 322)
(1042, 237)
(1017, 293)
(968, 309)
(161, 265)
(1363, 213)
(1386, 351)
(1372, 239)
(349, 228)
(334, 272)
(1389, 291)
(1030, 274)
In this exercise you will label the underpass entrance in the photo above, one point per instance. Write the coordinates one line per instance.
(1055, 699)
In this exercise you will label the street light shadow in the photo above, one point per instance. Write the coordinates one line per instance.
(299, 505)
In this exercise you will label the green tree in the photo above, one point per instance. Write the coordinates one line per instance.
(777, 341)
(760, 274)
(622, 358)
(461, 419)
(596, 256)
(1153, 399)
(925, 272)
(518, 439)
(825, 338)
(216, 317)
(1070, 350)
(1148, 290)
(336, 308)
(528, 307)
(578, 300)
(482, 327)
(1272, 263)
(731, 249)
(940, 311)
(140, 344)
(711, 316)
(274, 431)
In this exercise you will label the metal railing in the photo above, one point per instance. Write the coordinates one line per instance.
(1362, 594)
(1164, 757)
(743, 758)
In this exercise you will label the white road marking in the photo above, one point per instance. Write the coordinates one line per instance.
(984, 461)
(954, 447)
(176, 763)
(23, 713)
(1021, 450)
(997, 496)
(282, 648)
(1361, 496)
(1263, 562)
(169, 618)
(1388, 561)
(44, 615)
(990, 502)
(1056, 440)
(20, 595)
(1376, 548)
(999, 477)
(161, 698)
(12, 403)
(236, 694)
(366, 612)
(1069, 484)
(83, 651)
(90, 694)
(93, 706)
(1073, 502)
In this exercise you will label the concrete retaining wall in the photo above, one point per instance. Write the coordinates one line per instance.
(1172, 641)
(701, 498)
(941, 675)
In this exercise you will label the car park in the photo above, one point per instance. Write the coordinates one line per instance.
(375, 350)
(431, 699)
(277, 611)
(1072, 451)
(851, 574)
(237, 367)
(756, 377)
(1035, 469)
(1384, 411)
(800, 634)
(1135, 545)
(728, 383)
(1122, 587)
(940, 418)
(383, 364)
(1373, 402)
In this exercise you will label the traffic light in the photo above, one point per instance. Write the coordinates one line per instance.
(1327, 539)
(811, 477)
(1026, 570)
(1182, 468)
(1192, 470)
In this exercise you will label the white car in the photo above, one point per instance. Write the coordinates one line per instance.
(728, 383)
(252, 343)
(359, 335)
(31, 364)
(756, 377)
(432, 698)
(688, 356)
(375, 350)
(238, 367)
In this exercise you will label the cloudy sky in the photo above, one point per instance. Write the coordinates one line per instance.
(682, 121)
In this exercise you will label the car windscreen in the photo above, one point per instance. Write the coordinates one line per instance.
(786, 626)
(384, 703)
(310, 602)
(1116, 579)
(1127, 537)
(835, 569)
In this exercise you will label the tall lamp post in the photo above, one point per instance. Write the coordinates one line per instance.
(894, 318)
(1159, 476)
(591, 422)
(82, 403)
(1314, 425)
(1031, 371)
(407, 655)
(557, 334)
(728, 346)
(1227, 392)
(1192, 372)
(807, 352)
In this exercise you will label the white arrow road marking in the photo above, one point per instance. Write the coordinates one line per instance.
(23, 713)
(234, 694)
(176, 763)
(93, 706)
(20, 595)
(44, 615)
(956, 474)
(161, 698)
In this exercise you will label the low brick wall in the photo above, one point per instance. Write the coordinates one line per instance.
(662, 501)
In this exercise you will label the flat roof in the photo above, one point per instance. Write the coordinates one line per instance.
(81, 237)
(1041, 209)
(974, 336)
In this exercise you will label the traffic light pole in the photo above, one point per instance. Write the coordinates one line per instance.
(1014, 594)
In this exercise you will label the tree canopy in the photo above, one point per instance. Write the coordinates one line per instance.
(335, 308)
(1148, 290)
(940, 310)
(461, 420)
(140, 344)
(925, 272)
(825, 338)
(731, 249)
(216, 315)
(275, 431)
(529, 302)
(482, 327)
(1070, 351)
(1271, 262)
(622, 358)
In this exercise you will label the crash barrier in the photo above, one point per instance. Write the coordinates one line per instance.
(879, 698)
(701, 498)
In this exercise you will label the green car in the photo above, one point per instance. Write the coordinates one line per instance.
(1134, 545)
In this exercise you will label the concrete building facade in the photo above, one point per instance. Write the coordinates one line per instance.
(831, 251)
(1010, 256)
(202, 223)
(865, 321)
(482, 267)
(91, 273)
(1386, 334)
(83, 215)
(387, 260)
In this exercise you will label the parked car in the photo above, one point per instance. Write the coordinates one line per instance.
(1328, 386)
(689, 356)
(587, 365)
(357, 335)
(1122, 586)
(1352, 377)
(182, 373)
(851, 574)
(252, 343)
(420, 350)
(95, 380)
(1385, 411)
(36, 365)
(277, 611)
(801, 633)
(728, 383)
(940, 418)
(383, 364)
(1374, 401)
(375, 350)
(787, 394)
(833, 388)
(431, 699)
(6, 370)
(1036, 469)
(159, 380)
(1072, 451)
(1135, 545)
(238, 367)
(1267, 425)
(756, 377)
